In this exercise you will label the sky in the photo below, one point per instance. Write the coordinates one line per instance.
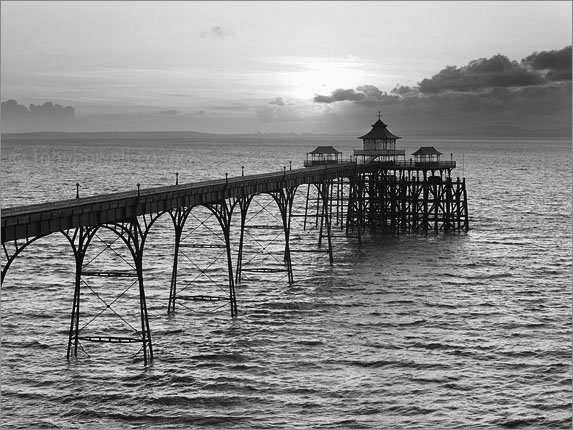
(279, 67)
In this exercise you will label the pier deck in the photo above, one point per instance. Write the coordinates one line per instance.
(46, 218)
(387, 196)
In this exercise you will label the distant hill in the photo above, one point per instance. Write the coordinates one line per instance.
(467, 132)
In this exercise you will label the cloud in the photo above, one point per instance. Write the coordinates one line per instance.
(404, 90)
(11, 109)
(497, 71)
(366, 95)
(556, 63)
(279, 101)
(280, 111)
(216, 32)
(535, 92)
(48, 110)
(46, 116)
(340, 95)
(370, 91)
(492, 81)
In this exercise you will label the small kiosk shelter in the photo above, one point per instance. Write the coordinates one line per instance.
(323, 155)
(379, 144)
(427, 155)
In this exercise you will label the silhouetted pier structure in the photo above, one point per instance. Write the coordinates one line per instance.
(379, 192)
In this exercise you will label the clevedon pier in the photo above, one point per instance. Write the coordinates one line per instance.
(377, 189)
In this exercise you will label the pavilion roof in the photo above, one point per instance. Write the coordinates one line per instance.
(379, 131)
(325, 150)
(427, 150)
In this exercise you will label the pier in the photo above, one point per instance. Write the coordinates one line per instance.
(375, 190)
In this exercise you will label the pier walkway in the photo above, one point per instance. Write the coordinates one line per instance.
(46, 218)
(387, 196)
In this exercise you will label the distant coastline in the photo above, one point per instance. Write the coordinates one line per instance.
(482, 132)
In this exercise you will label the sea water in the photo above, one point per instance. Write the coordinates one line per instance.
(408, 331)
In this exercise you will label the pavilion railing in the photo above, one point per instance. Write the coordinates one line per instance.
(400, 164)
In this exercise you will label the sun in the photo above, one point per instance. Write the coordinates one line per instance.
(322, 76)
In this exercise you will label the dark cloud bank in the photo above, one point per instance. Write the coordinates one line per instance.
(489, 96)
(47, 116)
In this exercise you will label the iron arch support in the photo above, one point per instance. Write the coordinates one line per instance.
(325, 220)
(11, 256)
(223, 212)
(243, 204)
(179, 217)
(133, 234)
(284, 199)
(79, 241)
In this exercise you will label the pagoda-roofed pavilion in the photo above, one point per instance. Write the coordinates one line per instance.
(323, 155)
(379, 144)
(427, 154)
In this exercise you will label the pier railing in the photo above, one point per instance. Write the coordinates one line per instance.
(390, 164)
(403, 164)
(46, 218)
(49, 217)
(323, 162)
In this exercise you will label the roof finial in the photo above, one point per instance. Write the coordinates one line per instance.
(379, 113)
